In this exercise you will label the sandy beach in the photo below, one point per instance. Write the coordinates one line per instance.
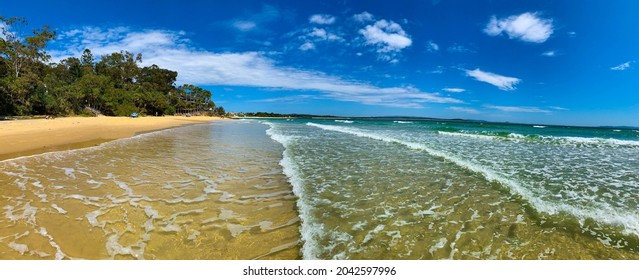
(28, 137)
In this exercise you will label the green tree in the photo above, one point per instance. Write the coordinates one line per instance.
(220, 111)
(157, 79)
(121, 67)
(24, 57)
(87, 61)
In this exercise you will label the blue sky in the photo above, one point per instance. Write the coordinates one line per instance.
(553, 62)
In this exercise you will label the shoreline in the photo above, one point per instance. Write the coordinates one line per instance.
(35, 136)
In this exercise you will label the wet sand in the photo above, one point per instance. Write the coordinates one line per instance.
(29, 137)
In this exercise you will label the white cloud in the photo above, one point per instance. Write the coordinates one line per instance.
(622, 66)
(321, 19)
(517, 109)
(464, 110)
(255, 21)
(526, 27)
(437, 70)
(106, 41)
(502, 82)
(170, 50)
(388, 36)
(6, 29)
(558, 108)
(457, 48)
(549, 53)
(363, 17)
(307, 46)
(431, 46)
(455, 90)
(322, 34)
(244, 25)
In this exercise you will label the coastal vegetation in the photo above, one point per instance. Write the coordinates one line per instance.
(115, 84)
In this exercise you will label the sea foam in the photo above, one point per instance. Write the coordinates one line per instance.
(309, 229)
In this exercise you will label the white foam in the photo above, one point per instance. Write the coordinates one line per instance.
(58, 251)
(28, 213)
(92, 217)
(402, 122)
(124, 187)
(226, 214)
(591, 141)
(439, 245)
(539, 126)
(151, 213)
(70, 172)
(475, 136)
(629, 220)
(369, 235)
(115, 248)
(236, 229)
(563, 140)
(359, 225)
(309, 229)
(57, 208)
(21, 248)
(343, 121)
(193, 235)
(96, 183)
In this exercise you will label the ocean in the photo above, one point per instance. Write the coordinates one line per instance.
(461, 190)
(330, 189)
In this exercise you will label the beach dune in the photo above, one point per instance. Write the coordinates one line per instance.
(28, 137)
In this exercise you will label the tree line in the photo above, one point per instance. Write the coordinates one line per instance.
(114, 85)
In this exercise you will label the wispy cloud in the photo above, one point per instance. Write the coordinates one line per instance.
(321, 19)
(558, 108)
(307, 46)
(322, 34)
(244, 25)
(254, 21)
(622, 66)
(437, 70)
(431, 46)
(502, 82)
(387, 36)
(527, 27)
(169, 49)
(464, 110)
(517, 109)
(455, 90)
(313, 37)
(291, 99)
(457, 48)
(549, 53)
(363, 17)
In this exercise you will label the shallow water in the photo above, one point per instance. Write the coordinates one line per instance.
(433, 190)
(326, 189)
(211, 191)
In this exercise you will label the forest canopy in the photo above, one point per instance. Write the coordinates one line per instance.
(115, 84)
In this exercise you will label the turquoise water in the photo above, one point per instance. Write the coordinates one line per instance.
(433, 190)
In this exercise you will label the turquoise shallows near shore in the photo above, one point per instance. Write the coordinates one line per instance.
(439, 190)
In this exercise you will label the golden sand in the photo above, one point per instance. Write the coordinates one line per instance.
(28, 137)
